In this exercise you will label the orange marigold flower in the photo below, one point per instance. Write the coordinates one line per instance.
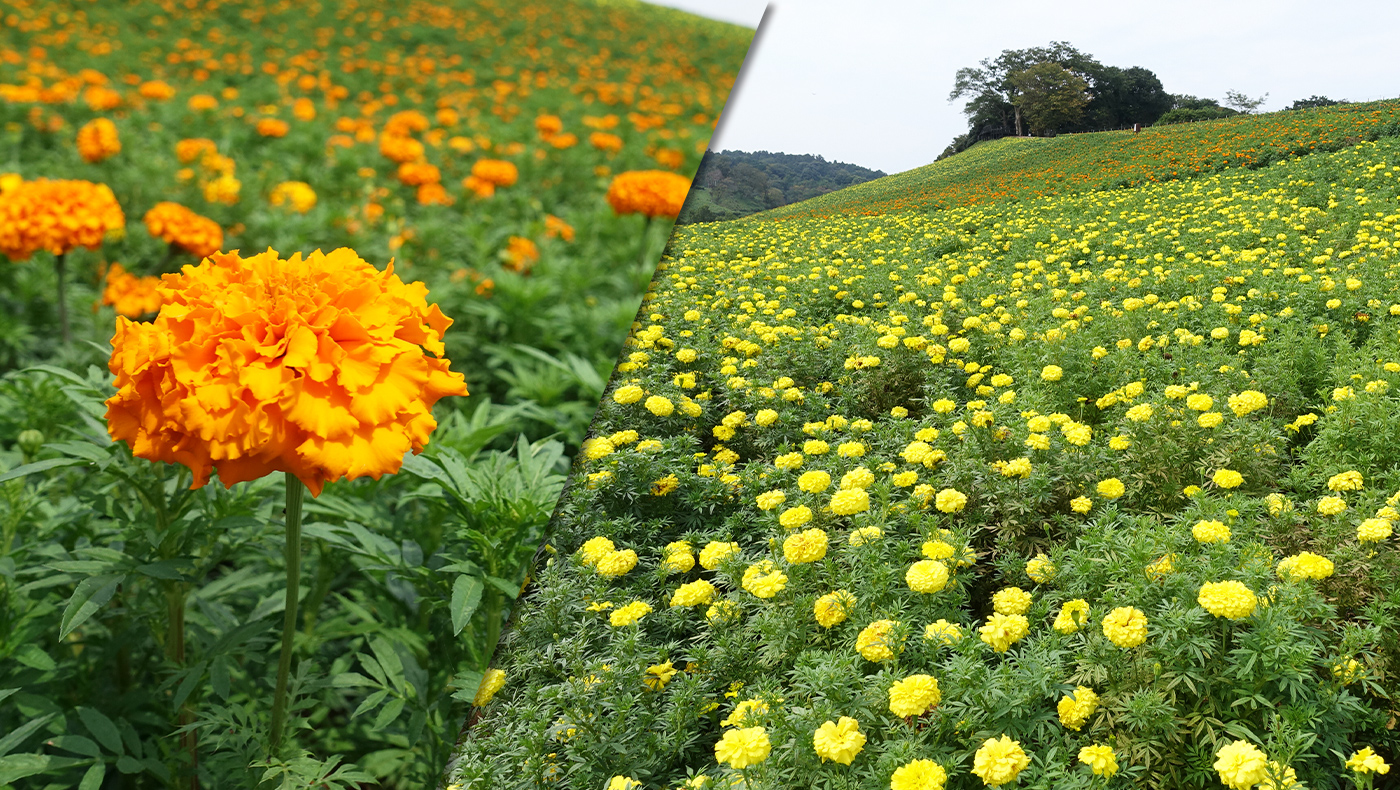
(497, 172)
(298, 195)
(98, 139)
(223, 189)
(132, 296)
(481, 187)
(194, 148)
(405, 123)
(101, 99)
(176, 224)
(555, 228)
(566, 140)
(202, 101)
(273, 127)
(304, 109)
(400, 148)
(655, 193)
(521, 254)
(340, 141)
(548, 125)
(57, 216)
(447, 117)
(669, 157)
(433, 194)
(605, 142)
(313, 366)
(418, 173)
(156, 89)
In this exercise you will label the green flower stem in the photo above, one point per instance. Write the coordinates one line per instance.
(646, 240)
(62, 296)
(176, 595)
(295, 490)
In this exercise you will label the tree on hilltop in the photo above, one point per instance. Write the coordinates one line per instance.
(1049, 96)
(1314, 102)
(1243, 103)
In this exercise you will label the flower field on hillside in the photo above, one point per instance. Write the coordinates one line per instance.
(1028, 168)
(1082, 491)
(491, 183)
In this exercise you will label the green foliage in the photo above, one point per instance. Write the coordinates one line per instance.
(734, 184)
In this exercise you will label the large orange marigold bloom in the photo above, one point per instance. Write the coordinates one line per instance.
(98, 139)
(400, 148)
(314, 366)
(57, 216)
(175, 224)
(156, 89)
(130, 295)
(273, 127)
(419, 173)
(655, 193)
(497, 172)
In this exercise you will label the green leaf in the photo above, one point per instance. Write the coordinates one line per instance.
(219, 676)
(192, 678)
(102, 728)
(388, 714)
(129, 765)
(18, 766)
(370, 702)
(76, 744)
(40, 466)
(511, 589)
(466, 597)
(92, 780)
(92, 593)
(34, 657)
(18, 734)
(170, 570)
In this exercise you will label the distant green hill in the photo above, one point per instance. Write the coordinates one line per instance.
(734, 184)
(1024, 168)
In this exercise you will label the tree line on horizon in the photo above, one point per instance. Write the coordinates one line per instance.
(1044, 91)
(733, 184)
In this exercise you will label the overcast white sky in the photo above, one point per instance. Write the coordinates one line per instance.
(867, 82)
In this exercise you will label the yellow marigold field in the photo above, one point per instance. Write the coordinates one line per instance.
(1114, 471)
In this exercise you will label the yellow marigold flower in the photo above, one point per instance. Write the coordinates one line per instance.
(175, 224)
(833, 608)
(1164, 565)
(808, 545)
(1211, 532)
(1372, 530)
(1112, 488)
(1210, 419)
(914, 695)
(1278, 504)
(1229, 599)
(597, 447)
(337, 384)
(839, 741)
(660, 406)
(764, 417)
(1052, 373)
(850, 449)
(1227, 478)
(722, 611)
(629, 614)
(98, 140)
(905, 479)
(653, 193)
(771, 499)
(763, 579)
(1073, 615)
(794, 517)
(1279, 777)
(1076, 708)
(1081, 504)
(694, 593)
(850, 501)
(814, 481)
(1001, 631)
(1077, 433)
(1018, 467)
(1346, 481)
(919, 775)
(491, 682)
(678, 557)
(1199, 402)
(789, 461)
(937, 550)
(950, 500)
(1241, 765)
(1100, 759)
(860, 477)
(815, 447)
(927, 576)
(1040, 569)
(1348, 671)
(1331, 505)
(944, 632)
(1011, 600)
(57, 216)
(130, 295)
(1248, 401)
(878, 641)
(860, 537)
(223, 189)
(1139, 413)
(715, 552)
(297, 195)
(1125, 626)
(742, 711)
(740, 748)
(999, 761)
(617, 563)
(595, 549)
(621, 782)
(1367, 761)
(1305, 565)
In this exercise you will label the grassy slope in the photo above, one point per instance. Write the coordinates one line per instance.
(1017, 169)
